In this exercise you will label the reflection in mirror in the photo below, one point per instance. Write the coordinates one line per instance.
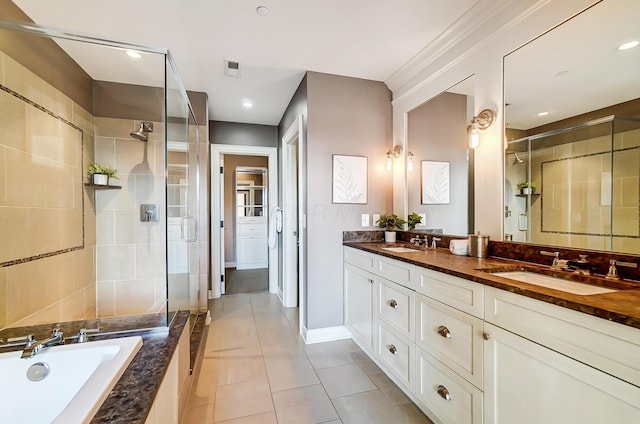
(572, 160)
(438, 139)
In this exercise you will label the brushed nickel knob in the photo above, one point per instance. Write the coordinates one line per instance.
(486, 336)
(393, 350)
(393, 304)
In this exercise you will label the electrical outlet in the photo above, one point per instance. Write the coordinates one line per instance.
(365, 220)
(376, 217)
(423, 223)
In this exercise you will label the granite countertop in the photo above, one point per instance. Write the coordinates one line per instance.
(131, 398)
(622, 306)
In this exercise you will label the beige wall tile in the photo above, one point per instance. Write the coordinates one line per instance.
(84, 270)
(115, 262)
(150, 261)
(23, 172)
(134, 297)
(106, 227)
(13, 121)
(14, 224)
(71, 146)
(4, 299)
(25, 82)
(105, 151)
(114, 127)
(82, 118)
(43, 135)
(90, 297)
(105, 299)
(21, 291)
(134, 157)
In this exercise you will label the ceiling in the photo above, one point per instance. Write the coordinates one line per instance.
(368, 39)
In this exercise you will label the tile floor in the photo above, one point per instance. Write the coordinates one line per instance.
(256, 370)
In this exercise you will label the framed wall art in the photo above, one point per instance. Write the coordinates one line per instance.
(435, 183)
(349, 179)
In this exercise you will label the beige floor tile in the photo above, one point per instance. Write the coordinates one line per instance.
(345, 380)
(205, 386)
(277, 335)
(389, 389)
(285, 373)
(290, 350)
(241, 369)
(242, 400)
(266, 418)
(322, 360)
(365, 363)
(373, 408)
(306, 405)
(198, 415)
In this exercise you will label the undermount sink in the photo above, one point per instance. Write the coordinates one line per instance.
(553, 282)
(399, 249)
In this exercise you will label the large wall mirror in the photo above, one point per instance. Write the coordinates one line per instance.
(572, 158)
(440, 171)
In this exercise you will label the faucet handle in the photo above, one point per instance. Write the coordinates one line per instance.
(83, 335)
(583, 259)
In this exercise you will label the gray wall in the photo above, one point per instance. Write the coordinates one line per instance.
(437, 131)
(243, 134)
(346, 116)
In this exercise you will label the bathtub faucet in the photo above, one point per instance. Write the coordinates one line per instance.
(57, 338)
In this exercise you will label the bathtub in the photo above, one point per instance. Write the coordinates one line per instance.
(80, 377)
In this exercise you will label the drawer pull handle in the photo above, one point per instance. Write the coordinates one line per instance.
(370, 281)
(486, 336)
(444, 332)
(444, 393)
(393, 304)
(393, 350)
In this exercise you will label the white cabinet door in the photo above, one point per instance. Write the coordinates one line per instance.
(358, 314)
(526, 383)
(252, 252)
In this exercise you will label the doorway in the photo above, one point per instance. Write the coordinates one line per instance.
(294, 218)
(222, 224)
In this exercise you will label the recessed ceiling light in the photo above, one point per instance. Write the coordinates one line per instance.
(543, 113)
(133, 54)
(629, 45)
(262, 10)
(247, 104)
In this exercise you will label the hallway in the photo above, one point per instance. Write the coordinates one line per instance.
(256, 370)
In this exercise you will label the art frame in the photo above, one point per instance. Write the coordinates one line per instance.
(435, 183)
(350, 177)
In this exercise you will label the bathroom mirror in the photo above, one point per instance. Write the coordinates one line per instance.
(572, 102)
(437, 139)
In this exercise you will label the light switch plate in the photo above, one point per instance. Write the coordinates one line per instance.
(376, 217)
(365, 220)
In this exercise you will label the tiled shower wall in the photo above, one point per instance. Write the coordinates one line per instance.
(573, 207)
(48, 259)
(130, 264)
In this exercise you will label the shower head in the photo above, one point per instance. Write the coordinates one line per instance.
(141, 134)
(517, 160)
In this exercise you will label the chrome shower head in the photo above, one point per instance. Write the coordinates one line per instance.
(517, 160)
(143, 131)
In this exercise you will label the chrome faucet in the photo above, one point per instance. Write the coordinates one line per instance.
(434, 241)
(419, 242)
(57, 338)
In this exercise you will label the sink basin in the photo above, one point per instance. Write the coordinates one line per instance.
(553, 282)
(399, 249)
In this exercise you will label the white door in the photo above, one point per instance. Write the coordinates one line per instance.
(223, 224)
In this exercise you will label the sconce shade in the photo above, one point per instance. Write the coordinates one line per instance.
(410, 161)
(393, 154)
(481, 122)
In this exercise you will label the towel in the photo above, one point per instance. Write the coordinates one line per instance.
(459, 247)
(275, 227)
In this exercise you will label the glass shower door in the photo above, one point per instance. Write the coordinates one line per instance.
(182, 199)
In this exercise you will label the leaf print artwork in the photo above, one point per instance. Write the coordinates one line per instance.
(435, 183)
(349, 179)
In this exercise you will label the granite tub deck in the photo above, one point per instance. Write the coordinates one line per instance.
(622, 306)
(131, 398)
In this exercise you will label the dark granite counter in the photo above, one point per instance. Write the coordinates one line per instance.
(131, 398)
(622, 306)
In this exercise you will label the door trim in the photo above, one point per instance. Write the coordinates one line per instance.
(216, 234)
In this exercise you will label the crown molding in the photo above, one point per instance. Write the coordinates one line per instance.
(484, 18)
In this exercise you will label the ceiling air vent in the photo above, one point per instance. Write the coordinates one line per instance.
(231, 68)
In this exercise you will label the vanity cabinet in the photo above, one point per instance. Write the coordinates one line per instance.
(358, 314)
(562, 362)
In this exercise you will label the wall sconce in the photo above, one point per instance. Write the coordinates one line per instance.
(393, 154)
(409, 161)
(481, 122)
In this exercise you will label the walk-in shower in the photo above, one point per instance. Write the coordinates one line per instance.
(143, 131)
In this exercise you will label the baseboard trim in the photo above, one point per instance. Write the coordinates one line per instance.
(326, 334)
(229, 264)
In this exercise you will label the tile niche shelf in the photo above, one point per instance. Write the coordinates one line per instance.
(102, 187)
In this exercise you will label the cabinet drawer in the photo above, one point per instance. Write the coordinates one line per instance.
(252, 229)
(461, 294)
(451, 336)
(397, 271)
(359, 258)
(396, 353)
(608, 346)
(453, 399)
(396, 307)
